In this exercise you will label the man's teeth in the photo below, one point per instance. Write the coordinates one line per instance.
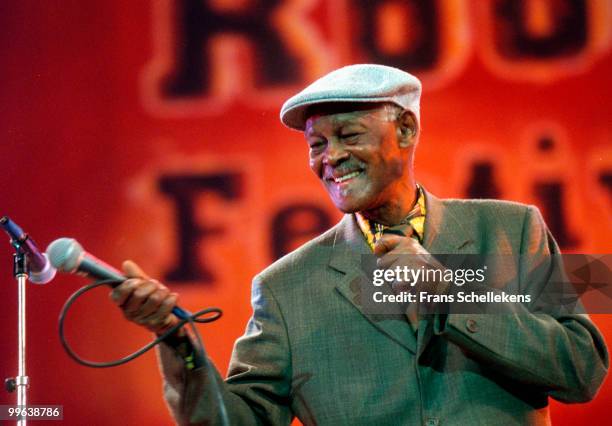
(346, 177)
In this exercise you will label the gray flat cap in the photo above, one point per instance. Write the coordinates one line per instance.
(354, 83)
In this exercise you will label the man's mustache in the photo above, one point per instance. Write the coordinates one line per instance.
(343, 169)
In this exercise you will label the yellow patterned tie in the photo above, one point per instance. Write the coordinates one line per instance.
(416, 219)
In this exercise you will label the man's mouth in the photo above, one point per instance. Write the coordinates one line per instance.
(345, 177)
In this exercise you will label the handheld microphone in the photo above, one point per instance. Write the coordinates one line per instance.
(41, 270)
(67, 255)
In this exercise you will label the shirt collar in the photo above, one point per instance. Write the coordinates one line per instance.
(372, 231)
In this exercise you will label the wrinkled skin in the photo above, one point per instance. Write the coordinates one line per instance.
(375, 142)
(145, 301)
(364, 159)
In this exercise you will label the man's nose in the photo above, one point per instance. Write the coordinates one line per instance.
(335, 153)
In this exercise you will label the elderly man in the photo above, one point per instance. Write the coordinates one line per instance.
(311, 348)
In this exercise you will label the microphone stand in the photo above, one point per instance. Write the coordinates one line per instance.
(21, 382)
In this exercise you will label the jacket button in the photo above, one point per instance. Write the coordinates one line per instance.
(432, 421)
(471, 325)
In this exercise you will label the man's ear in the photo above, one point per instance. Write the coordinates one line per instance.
(407, 128)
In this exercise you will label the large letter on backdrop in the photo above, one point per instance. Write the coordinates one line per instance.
(184, 190)
(431, 38)
(295, 225)
(403, 34)
(544, 39)
(197, 23)
(540, 28)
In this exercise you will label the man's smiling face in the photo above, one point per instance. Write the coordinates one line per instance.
(355, 151)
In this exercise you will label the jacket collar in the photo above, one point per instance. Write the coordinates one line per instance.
(444, 231)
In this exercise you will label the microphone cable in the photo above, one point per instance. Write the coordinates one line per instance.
(203, 316)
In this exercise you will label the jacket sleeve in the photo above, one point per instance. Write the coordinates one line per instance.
(563, 354)
(257, 389)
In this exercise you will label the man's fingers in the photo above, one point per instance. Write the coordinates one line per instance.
(145, 301)
(386, 243)
(391, 248)
(132, 270)
(153, 302)
(387, 261)
(139, 296)
(163, 317)
(123, 291)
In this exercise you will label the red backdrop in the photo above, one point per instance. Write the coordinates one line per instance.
(120, 119)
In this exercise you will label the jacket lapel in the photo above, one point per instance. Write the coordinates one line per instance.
(348, 248)
(444, 234)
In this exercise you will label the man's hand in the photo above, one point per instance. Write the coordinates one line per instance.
(398, 241)
(397, 248)
(145, 301)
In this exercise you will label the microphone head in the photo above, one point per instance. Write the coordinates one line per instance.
(65, 254)
(45, 275)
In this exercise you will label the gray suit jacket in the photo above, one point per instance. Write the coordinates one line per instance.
(310, 349)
